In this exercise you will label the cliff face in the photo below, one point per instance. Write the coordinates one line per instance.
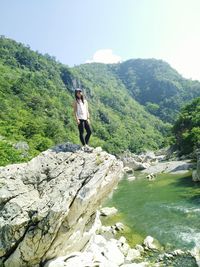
(47, 205)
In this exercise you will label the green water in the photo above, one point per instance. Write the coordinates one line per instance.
(167, 209)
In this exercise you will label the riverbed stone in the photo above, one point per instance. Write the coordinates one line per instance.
(131, 178)
(151, 243)
(132, 254)
(128, 170)
(141, 264)
(108, 211)
(139, 248)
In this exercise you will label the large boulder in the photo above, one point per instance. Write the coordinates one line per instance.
(47, 206)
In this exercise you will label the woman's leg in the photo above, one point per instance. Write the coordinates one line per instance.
(81, 131)
(88, 130)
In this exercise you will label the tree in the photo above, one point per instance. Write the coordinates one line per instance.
(187, 128)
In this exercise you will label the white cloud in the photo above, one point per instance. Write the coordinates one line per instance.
(104, 56)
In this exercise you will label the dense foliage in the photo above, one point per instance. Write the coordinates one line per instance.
(157, 86)
(35, 104)
(36, 96)
(187, 128)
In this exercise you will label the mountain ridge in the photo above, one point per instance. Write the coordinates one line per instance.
(36, 95)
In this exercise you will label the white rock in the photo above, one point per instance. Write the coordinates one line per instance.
(195, 252)
(168, 255)
(131, 178)
(124, 248)
(119, 226)
(48, 203)
(113, 253)
(141, 264)
(108, 211)
(139, 248)
(99, 240)
(149, 243)
(178, 252)
(105, 229)
(128, 169)
(132, 254)
(169, 167)
(151, 177)
(98, 149)
(122, 240)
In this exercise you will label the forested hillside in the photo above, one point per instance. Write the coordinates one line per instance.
(36, 96)
(157, 86)
(187, 128)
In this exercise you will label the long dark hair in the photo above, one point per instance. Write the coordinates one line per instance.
(77, 98)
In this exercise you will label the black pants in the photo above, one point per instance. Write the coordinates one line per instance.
(84, 124)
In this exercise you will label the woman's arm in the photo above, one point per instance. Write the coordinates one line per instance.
(88, 114)
(75, 112)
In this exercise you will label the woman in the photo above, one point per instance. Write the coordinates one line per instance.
(81, 113)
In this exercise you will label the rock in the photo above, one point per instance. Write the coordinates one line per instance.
(132, 254)
(99, 240)
(122, 240)
(168, 255)
(119, 226)
(133, 161)
(141, 264)
(113, 253)
(48, 204)
(21, 145)
(131, 178)
(98, 149)
(151, 177)
(108, 211)
(105, 229)
(138, 166)
(139, 248)
(178, 252)
(149, 156)
(170, 167)
(151, 243)
(128, 170)
(124, 248)
(195, 252)
(106, 252)
(73, 260)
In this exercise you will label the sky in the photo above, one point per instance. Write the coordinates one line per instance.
(108, 31)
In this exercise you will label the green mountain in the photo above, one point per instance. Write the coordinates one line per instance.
(157, 86)
(36, 96)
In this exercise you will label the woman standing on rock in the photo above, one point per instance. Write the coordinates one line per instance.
(81, 113)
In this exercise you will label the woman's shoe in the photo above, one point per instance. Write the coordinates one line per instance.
(88, 148)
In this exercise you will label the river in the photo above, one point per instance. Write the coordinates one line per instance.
(167, 209)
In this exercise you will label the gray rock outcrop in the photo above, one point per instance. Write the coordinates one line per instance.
(133, 162)
(174, 167)
(47, 205)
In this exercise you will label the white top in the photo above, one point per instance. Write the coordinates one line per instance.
(82, 110)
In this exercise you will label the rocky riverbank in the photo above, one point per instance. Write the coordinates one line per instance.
(152, 163)
(48, 205)
(48, 211)
(105, 250)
